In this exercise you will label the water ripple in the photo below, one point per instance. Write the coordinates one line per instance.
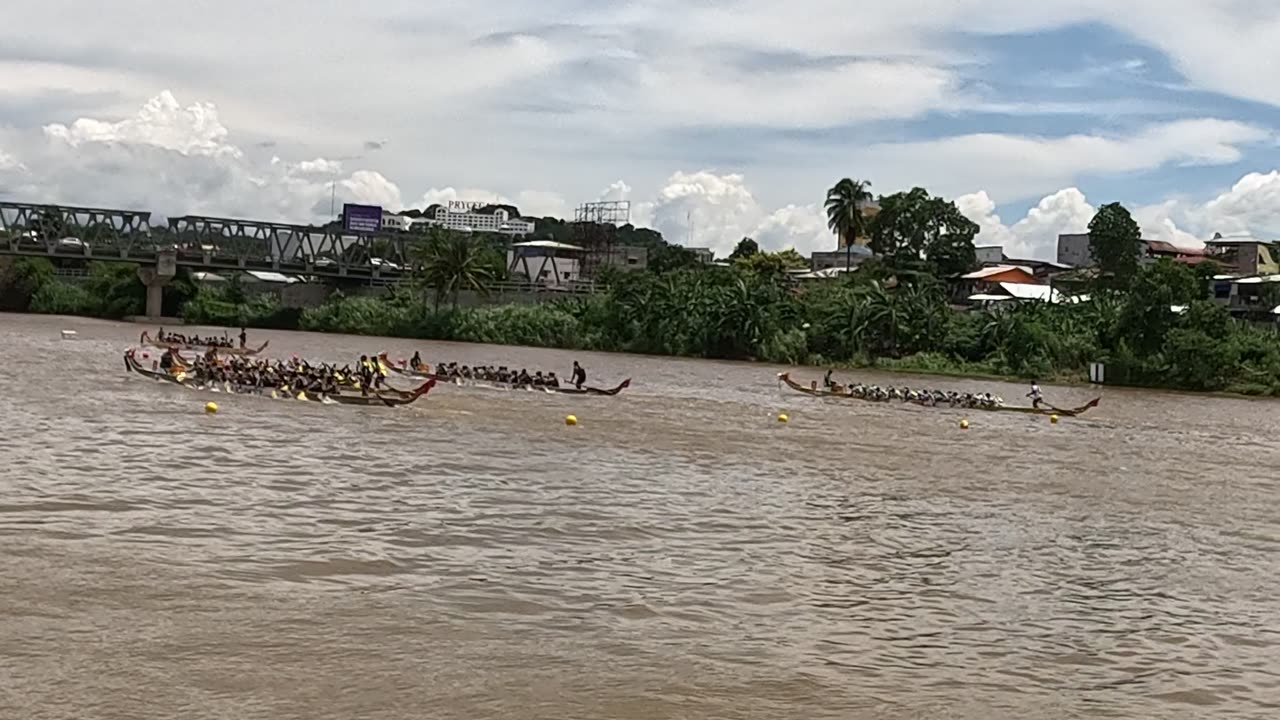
(678, 554)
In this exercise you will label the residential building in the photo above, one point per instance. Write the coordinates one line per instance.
(869, 210)
(1002, 273)
(989, 254)
(849, 256)
(1240, 256)
(993, 255)
(626, 257)
(704, 255)
(1073, 251)
(493, 221)
(1157, 249)
(988, 282)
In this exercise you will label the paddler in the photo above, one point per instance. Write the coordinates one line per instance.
(826, 380)
(579, 375)
(415, 362)
(244, 338)
(166, 360)
(1035, 395)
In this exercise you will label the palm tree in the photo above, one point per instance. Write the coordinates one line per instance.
(453, 262)
(845, 201)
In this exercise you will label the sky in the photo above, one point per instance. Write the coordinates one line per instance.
(715, 120)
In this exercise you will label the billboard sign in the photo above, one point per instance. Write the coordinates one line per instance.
(361, 218)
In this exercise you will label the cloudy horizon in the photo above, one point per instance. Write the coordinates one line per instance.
(716, 122)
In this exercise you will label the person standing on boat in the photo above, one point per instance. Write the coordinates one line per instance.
(1035, 395)
(244, 338)
(579, 375)
(826, 381)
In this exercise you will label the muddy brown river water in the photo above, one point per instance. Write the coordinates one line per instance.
(678, 554)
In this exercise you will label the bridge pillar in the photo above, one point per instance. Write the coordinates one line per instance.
(156, 279)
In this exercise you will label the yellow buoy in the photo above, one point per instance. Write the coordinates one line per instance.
(1053, 418)
(782, 417)
(570, 419)
(964, 424)
(211, 407)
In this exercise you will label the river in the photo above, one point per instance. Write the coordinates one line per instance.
(678, 554)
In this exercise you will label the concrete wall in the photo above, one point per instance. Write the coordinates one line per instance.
(989, 254)
(1073, 250)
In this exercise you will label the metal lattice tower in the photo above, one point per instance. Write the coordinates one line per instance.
(596, 231)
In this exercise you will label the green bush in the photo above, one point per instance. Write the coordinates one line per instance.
(59, 298)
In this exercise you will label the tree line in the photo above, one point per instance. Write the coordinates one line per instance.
(893, 312)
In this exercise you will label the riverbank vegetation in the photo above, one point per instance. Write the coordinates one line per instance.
(1151, 324)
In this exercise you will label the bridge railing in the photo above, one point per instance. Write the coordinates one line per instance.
(218, 244)
(208, 242)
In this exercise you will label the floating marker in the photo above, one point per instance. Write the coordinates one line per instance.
(571, 420)
(211, 407)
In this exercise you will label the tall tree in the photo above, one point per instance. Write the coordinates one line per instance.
(745, 249)
(1115, 243)
(844, 204)
(452, 262)
(914, 230)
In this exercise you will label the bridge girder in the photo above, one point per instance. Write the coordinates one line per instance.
(208, 243)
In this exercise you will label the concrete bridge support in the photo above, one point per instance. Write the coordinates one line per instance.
(156, 279)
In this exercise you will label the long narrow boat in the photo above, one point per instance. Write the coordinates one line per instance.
(389, 397)
(815, 391)
(493, 385)
(146, 339)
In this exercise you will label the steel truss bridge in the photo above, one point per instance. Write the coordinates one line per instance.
(201, 243)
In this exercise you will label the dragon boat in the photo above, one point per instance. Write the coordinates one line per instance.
(814, 390)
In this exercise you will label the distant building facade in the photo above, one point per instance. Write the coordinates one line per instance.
(1073, 251)
(704, 255)
(495, 221)
(392, 222)
(850, 256)
(989, 254)
(869, 210)
(1243, 256)
(626, 257)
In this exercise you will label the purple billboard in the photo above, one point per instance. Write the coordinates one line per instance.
(361, 218)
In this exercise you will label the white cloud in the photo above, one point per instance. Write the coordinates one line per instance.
(705, 209)
(577, 90)
(705, 92)
(161, 122)
(1010, 167)
(1035, 235)
(1250, 207)
(174, 160)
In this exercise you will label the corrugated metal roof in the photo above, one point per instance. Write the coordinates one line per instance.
(1028, 291)
(272, 277)
(995, 270)
(548, 244)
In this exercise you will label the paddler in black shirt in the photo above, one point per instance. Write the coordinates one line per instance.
(579, 375)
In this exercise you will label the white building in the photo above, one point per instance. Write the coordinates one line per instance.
(396, 223)
(470, 221)
(545, 262)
